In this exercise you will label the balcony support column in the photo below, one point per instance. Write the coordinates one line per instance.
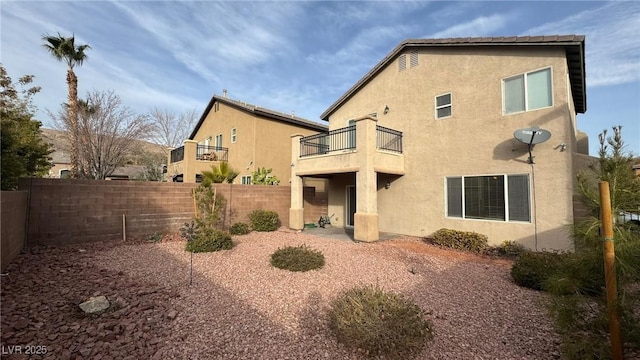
(189, 162)
(296, 211)
(366, 216)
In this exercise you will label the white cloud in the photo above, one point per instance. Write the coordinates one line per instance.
(480, 26)
(612, 41)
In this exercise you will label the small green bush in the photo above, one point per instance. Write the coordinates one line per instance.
(508, 248)
(297, 258)
(155, 237)
(239, 228)
(264, 220)
(533, 269)
(379, 323)
(460, 240)
(208, 240)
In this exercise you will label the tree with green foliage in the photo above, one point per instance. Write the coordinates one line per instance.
(579, 304)
(221, 173)
(65, 50)
(263, 176)
(24, 152)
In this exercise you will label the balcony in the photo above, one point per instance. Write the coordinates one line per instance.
(191, 159)
(351, 148)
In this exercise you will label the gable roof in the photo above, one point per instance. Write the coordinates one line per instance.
(573, 45)
(258, 111)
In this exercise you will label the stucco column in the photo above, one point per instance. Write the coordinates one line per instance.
(296, 211)
(189, 161)
(366, 216)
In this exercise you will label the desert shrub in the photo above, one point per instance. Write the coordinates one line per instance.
(297, 258)
(508, 248)
(460, 240)
(264, 220)
(379, 322)
(239, 228)
(155, 237)
(533, 269)
(208, 240)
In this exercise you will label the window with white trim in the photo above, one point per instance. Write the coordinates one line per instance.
(492, 197)
(246, 180)
(234, 135)
(443, 106)
(526, 92)
(218, 142)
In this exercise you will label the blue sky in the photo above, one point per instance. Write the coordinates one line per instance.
(299, 56)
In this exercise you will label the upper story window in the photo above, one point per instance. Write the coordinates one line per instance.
(526, 92)
(494, 197)
(218, 142)
(402, 62)
(234, 135)
(443, 106)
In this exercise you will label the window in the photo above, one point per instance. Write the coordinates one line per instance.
(443, 106)
(207, 141)
(233, 135)
(218, 142)
(494, 197)
(527, 92)
(351, 135)
(402, 62)
(246, 180)
(65, 174)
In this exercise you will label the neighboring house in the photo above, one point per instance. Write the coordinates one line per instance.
(61, 158)
(425, 140)
(248, 137)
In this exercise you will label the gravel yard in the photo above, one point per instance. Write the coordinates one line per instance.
(239, 307)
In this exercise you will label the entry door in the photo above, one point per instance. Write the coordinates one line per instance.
(351, 205)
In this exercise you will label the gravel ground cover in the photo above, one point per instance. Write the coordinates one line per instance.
(240, 307)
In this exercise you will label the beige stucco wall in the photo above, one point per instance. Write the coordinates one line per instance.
(476, 140)
(260, 142)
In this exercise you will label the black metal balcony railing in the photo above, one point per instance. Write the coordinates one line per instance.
(334, 140)
(177, 154)
(212, 153)
(388, 139)
(345, 138)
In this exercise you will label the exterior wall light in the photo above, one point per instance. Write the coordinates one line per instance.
(386, 109)
(387, 185)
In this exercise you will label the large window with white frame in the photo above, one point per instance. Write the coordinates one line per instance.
(489, 197)
(218, 141)
(443, 106)
(526, 92)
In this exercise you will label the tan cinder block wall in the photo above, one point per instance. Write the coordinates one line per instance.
(260, 142)
(13, 210)
(476, 140)
(67, 211)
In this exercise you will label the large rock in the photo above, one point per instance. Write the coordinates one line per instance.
(95, 305)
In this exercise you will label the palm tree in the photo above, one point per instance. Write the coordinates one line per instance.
(64, 49)
(219, 174)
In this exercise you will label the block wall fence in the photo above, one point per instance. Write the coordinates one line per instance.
(61, 211)
(13, 214)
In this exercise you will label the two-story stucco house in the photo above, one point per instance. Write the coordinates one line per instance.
(246, 136)
(425, 140)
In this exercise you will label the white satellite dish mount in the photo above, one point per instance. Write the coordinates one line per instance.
(531, 136)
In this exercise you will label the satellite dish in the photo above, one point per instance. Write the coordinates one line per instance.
(531, 136)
